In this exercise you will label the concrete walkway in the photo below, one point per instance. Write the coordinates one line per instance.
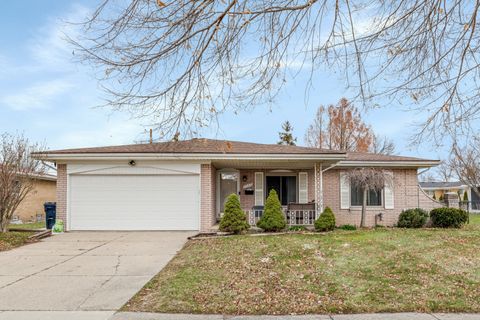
(81, 271)
(377, 316)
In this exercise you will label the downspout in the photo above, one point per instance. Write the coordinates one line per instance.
(318, 188)
(321, 171)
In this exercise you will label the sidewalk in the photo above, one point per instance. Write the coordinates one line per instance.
(109, 315)
(377, 316)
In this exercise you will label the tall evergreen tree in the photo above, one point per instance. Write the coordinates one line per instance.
(286, 136)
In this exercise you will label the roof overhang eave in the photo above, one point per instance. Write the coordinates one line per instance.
(395, 163)
(184, 156)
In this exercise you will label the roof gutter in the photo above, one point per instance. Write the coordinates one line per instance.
(183, 156)
(396, 163)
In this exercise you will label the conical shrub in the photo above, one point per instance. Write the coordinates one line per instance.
(234, 219)
(272, 218)
(326, 221)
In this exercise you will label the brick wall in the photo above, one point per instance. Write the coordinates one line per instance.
(62, 193)
(407, 195)
(32, 205)
(207, 197)
(213, 192)
(427, 203)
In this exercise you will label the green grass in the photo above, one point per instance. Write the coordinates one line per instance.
(10, 240)
(28, 226)
(475, 219)
(381, 270)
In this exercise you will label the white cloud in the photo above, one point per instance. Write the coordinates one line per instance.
(47, 71)
(37, 96)
(50, 47)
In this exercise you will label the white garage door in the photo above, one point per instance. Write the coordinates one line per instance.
(134, 202)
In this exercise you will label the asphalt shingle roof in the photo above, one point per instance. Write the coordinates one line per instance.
(211, 146)
(441, 184)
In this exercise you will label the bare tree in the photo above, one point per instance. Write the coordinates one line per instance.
(444, 171)
(465, 163)
(339, 127)
(182, 63)
(368, 179)
(427, 177)
(18, 171)
(382, 145)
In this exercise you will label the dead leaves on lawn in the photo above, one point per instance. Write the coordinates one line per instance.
(361, 271)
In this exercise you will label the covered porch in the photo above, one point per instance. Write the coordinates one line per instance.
(298, 185)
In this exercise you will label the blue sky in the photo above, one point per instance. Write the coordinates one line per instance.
(50, 98)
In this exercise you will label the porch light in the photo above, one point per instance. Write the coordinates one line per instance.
(244, 178)
(132, 163)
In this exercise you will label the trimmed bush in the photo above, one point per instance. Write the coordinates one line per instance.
(465, 196)
(348, 227)
(412, 218)
(448, 217)
(326, 221)
(272, 218)
(234, 219)
(297, 228)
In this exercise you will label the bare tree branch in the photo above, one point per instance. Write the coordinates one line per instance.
(382, 145)
(465, 163)
(18, 172)
(180, 64)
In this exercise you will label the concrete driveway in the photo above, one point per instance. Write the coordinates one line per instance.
(95, 271)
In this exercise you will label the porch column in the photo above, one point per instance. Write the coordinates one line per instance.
(207, 197)
(62, 194)
(318, 188)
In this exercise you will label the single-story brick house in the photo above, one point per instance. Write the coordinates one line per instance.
(31, 208)
(182, 185)
(438, 189)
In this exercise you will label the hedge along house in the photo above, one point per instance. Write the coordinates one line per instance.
(183, 185)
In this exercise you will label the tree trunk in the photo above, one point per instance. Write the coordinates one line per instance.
(4, 224)
(364, 208)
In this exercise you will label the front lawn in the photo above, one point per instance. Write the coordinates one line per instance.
(383, 270)
(10, 240)
(28, 226)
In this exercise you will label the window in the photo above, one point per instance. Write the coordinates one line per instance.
(285, 186)
(374, 198)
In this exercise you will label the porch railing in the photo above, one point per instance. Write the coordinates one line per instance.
(298, 217)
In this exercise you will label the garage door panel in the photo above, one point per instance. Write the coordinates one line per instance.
(128, 202)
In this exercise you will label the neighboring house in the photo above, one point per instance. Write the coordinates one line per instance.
(183, 185)
(31, 208)
(437, 190)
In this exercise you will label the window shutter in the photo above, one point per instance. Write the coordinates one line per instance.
(344, 191)
(303, 187)
(259, 194)
(388, 192)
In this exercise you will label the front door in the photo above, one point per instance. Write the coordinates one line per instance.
(228, 185)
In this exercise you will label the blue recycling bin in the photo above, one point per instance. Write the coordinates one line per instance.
(50, 214)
